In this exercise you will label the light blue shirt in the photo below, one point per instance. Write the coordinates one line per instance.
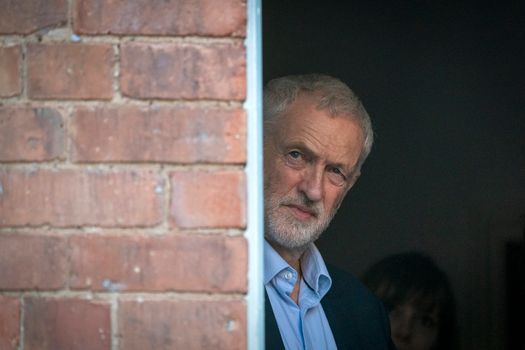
(302, 326)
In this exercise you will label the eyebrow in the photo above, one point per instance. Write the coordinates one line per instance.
(311, 154)
(302, 147)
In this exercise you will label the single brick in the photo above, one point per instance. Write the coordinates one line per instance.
(10, 60)
(208, 199)
(182, 324)
(209, 263)
(9, 322)
(65, 198)
(32, 262)
(72, 324)
(70, 71)
(27, 16)
(159, 134)
(183, 71)
(160, 17)
(30, 134)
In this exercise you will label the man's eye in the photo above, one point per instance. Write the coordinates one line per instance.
(336, 171)
(295, 159)
(336, 176)
(295, 154)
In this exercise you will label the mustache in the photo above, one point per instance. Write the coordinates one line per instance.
(302, 201)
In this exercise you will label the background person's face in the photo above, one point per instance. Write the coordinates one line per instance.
(412, 328)
(306, 153)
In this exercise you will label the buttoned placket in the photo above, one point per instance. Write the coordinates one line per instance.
(309, 298)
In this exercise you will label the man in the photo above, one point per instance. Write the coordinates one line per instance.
(317, 135)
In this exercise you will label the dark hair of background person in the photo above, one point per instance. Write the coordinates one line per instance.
(403, 277)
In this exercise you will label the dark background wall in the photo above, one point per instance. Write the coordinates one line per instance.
(444, 84)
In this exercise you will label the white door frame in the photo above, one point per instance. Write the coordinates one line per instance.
(254, 175)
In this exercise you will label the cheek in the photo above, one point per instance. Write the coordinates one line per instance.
(279, 179)
(394, 326)
(425, 339)
(334, 198)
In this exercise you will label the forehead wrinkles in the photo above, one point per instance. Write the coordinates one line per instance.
(324, 144)
(337, 140)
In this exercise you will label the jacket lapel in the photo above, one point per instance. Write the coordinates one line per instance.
(334, 309)
(273, 338)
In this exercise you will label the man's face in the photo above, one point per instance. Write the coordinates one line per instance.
(309, 166)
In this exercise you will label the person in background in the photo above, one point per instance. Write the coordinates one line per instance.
(419, 300)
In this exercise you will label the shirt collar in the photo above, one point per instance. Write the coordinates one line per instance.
(315, 273)
(314, 270)
(273, 263)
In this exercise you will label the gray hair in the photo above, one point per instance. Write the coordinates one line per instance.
(335, 96)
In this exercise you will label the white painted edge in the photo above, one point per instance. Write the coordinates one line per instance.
(254, 175)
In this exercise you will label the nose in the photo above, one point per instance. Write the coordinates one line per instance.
(312, 183)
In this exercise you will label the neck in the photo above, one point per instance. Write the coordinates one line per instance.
(291, 256)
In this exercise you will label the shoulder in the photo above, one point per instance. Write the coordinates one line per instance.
(345, 284)
(349, 302)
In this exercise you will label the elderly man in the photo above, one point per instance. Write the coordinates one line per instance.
(317, 135)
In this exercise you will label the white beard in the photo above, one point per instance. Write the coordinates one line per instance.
(286, 230)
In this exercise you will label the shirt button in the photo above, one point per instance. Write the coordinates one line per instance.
(288, 275)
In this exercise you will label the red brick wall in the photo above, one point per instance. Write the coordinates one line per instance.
(122, 184)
